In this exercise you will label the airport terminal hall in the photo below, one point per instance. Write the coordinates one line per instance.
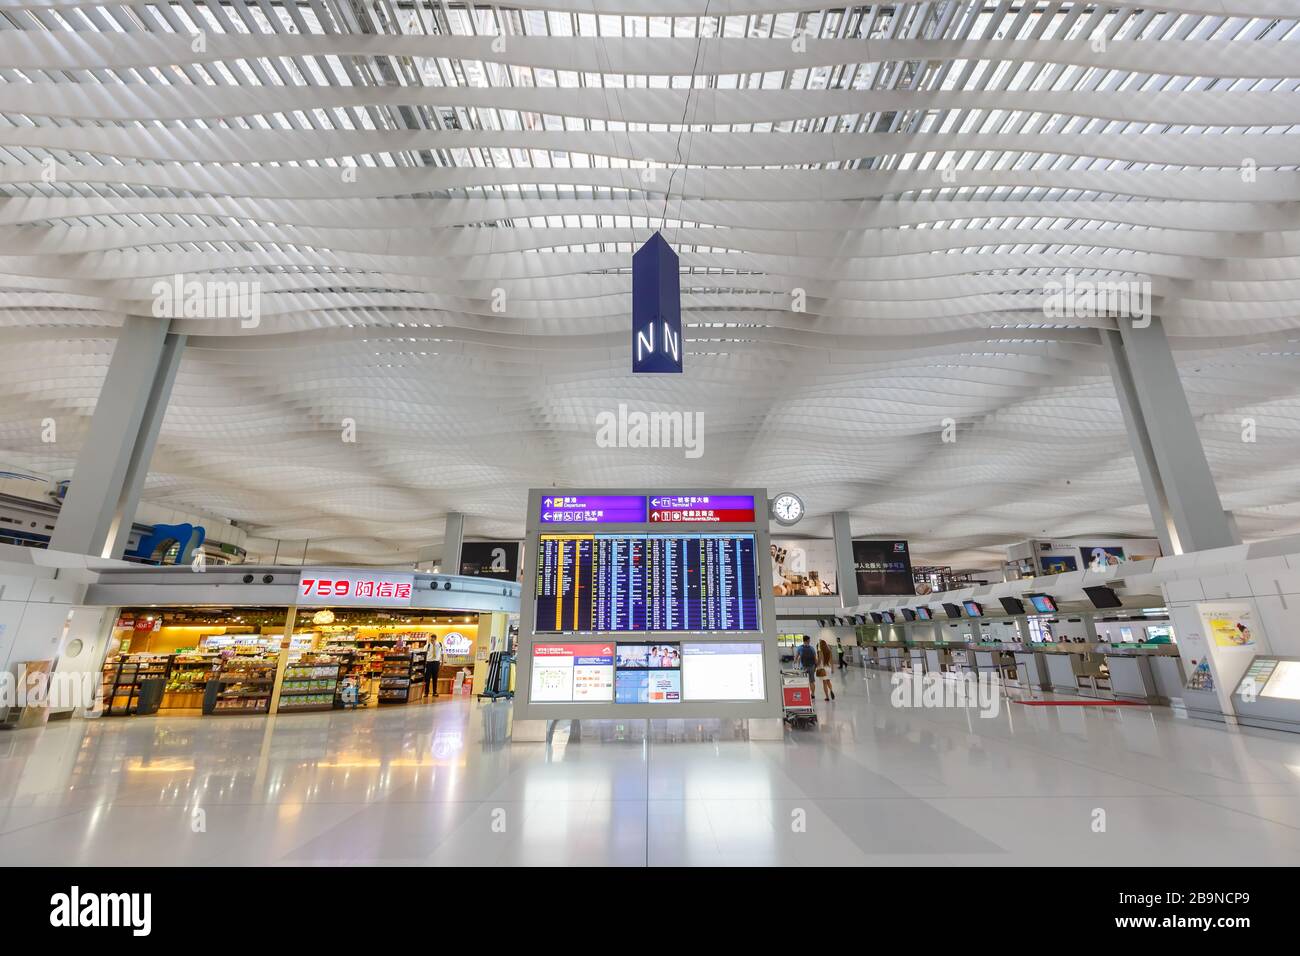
(649, 434)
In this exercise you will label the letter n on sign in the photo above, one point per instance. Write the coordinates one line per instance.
(656, 308)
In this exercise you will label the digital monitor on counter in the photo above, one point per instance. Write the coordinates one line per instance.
(908, 613)
(887, 617)
(952, 610)
(923, 614)
(1042, 603)
(1103, 597)
(876, 617)
(1012, 605)
(973, 608)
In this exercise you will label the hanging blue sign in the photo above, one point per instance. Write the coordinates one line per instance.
(656, 308)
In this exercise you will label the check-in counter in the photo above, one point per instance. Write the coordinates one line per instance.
(1062, 666)
(892, 656)
(1133, 669)
(993, 659)
(1076, 669)
(1031, 670)
(961, 659)
(918, 657)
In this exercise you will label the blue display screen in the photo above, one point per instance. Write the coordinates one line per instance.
(646, 583)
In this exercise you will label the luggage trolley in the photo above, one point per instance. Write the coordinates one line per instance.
(797, 699)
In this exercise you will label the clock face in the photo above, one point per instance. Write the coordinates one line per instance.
(787, 508)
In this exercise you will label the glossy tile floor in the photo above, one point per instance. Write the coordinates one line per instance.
(441, 784)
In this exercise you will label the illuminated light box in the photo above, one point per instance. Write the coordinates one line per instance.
(717, 671)
(648, 673)
(572, 672)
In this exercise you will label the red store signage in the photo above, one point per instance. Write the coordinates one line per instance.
(335, 586)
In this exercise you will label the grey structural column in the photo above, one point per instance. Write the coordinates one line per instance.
(1140, 441)
(138, 469)
(123, 429)
(1196, 519)
(845, 575)
(452, 538)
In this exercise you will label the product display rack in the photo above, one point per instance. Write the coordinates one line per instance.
(396, 679)
(122, 679)
(244, 686)
(309, 685)
(187, 679)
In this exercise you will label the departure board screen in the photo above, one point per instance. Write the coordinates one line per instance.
(646, 583)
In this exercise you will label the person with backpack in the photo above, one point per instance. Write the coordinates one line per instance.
(807, 658)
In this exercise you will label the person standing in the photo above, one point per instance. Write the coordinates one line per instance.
(807, 657)
(825, 668)
(839, 646)
(432, 662)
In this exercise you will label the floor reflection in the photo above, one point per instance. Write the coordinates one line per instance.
(441, 784)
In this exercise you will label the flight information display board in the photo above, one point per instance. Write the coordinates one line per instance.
(646, 583)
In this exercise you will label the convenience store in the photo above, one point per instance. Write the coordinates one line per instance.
(319, 639)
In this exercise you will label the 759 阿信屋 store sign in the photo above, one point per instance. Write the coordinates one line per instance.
(326, 586)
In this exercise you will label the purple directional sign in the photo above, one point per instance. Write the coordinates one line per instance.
(701, 508)
(593, 509)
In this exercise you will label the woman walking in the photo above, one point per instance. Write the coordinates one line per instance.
(825, 668)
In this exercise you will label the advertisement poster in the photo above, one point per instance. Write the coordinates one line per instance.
(490, 559)
(648, 674)
(1228, 623)
(883, 567)
(564, 673)
(722, 671)
(1101, 557)
(803, 567)
(1058, 564)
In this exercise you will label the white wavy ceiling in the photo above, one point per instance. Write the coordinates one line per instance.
(921, 170)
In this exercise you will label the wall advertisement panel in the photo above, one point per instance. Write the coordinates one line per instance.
(803, 567)
(883, 567)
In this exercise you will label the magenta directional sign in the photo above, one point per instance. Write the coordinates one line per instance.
(593, 509)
